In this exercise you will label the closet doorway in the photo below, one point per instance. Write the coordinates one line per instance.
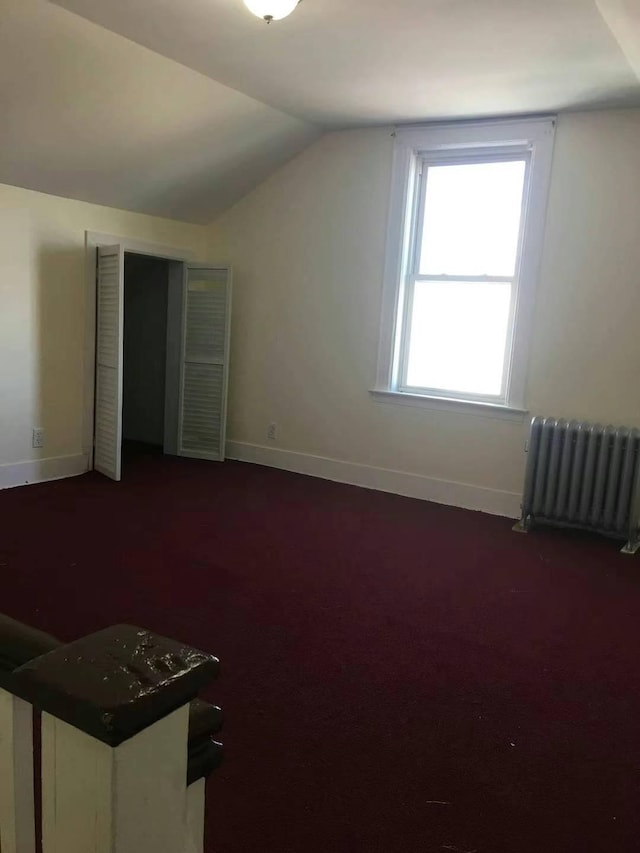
(162, 354)
(146, 292)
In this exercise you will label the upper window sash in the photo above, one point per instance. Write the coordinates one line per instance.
(482, 277)
(463, 156)
(457, 157)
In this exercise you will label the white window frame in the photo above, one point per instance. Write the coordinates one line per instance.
(531, 139)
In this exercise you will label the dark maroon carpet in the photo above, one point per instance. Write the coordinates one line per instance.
(397, 676)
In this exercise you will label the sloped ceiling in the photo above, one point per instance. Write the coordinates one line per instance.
(90, 115)
(179, 107)
(623, 19)
(351, 62)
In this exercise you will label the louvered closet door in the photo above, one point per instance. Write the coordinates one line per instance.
(109, 348)
(207, 312)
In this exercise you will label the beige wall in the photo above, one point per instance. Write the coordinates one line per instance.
(42, 319)
(307, 248)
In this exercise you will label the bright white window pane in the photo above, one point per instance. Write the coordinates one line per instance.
(458, 336)
(472, 219)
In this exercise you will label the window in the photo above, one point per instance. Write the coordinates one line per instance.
(464, 240)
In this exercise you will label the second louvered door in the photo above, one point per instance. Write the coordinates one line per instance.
(109, 349)
(205, 362)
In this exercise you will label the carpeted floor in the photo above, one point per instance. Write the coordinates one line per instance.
(398, 677)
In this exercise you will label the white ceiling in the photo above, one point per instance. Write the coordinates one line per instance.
(180, 107)
(351, 62)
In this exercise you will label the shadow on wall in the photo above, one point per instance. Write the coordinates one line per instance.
(59, 325)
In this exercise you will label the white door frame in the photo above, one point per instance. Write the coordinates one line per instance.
(93, 239)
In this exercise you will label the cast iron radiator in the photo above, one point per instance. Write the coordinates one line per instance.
(583, 475)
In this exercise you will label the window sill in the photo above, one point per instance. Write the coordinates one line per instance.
(449, 404)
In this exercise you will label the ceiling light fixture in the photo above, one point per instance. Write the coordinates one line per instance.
(271, 10)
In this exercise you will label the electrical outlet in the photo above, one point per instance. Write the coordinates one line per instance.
(37, 437)
(272, 432)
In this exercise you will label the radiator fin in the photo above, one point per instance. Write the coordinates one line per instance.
(582, 474)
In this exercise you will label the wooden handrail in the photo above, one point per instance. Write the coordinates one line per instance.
(204, 757)
(204, 720)
(19, 643)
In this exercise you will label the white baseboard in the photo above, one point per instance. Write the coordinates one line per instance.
(493, 501)
(41, 470)
(463, 495)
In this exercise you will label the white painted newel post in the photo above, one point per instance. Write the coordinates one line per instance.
(120, 771)
(17, 827)
(194, 831)
(129, 798)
